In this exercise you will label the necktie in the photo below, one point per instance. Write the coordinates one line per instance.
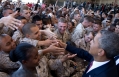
(90, 65)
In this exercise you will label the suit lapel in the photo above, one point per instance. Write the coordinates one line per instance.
(98, 70)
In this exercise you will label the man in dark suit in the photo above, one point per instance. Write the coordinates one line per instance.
(117, 62)
(103, 48)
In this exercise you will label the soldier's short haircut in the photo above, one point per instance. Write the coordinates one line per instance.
(88, 18)
(26, 29)
(88, 32)
(24, 7)
(5, 10)
(97, 21)
(63, 20)
(36, 18)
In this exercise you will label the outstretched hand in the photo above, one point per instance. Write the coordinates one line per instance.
(61, 44)
(67, 56)
(56, 50)
(50, 34)
(10, 21)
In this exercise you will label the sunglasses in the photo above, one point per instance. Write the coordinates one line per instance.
(108, 22)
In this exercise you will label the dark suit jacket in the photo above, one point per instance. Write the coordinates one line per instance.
(116, 58)
(107, 70)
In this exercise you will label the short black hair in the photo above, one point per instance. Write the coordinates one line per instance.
(109, 17)
(105, 13)
(36, 18)
(97, 21)
(46, 20)
(5, 9)
(116, 21)
(26, 29)
(21, 52)
(112, 27)
(20, 17)
(88, 18)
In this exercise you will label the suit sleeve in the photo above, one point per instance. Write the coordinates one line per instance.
(80, 52)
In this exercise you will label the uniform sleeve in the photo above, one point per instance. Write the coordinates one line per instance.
(55, 64)
(3, 74)
(16, 36)
(35, 43)
(30, 41)
(6, 63)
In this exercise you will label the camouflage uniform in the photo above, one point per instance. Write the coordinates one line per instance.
(6, 65)
(81, 64)
(30, 41)
(3, 74)
(61, 69)
(77, 38)
(77, 34)
(84, 45)
(17, 36)
(43, 68)
(64, 37)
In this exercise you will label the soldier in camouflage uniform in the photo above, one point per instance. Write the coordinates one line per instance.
(61, 32)
(84, 44)
(31, 38)
(80, 30)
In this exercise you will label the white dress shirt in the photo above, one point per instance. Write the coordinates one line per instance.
(96, 64)
(117, 61)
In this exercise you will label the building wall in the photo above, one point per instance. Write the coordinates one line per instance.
(107, 1)
(60, 2)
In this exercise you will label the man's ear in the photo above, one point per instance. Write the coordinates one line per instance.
(101, 52)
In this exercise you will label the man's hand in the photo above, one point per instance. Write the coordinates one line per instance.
(67, 56)
(49, 33)
(10, 21)
(55, 50)
(61, 44)
(48, 42)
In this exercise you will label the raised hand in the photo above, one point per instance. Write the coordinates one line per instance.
(49, 33)
(10, 21)
(55, 50)
(48, 42)
(67, 56)
(61, 44)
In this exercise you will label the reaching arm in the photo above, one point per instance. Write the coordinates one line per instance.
(10, 21)
(80, 52)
